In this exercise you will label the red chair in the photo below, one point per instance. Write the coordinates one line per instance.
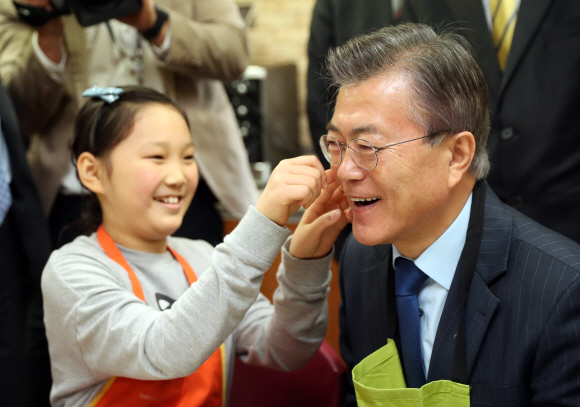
(319, 384)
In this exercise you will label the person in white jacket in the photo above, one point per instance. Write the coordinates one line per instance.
(199, 45)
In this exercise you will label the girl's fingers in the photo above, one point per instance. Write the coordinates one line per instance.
(307, 162)
(322, 223)
(327, 196)
(337, 194)
(331, 197)
(308, 171)
(301, 194)
(330, 178)
(289, 174)
(343, 204)
(348, 214)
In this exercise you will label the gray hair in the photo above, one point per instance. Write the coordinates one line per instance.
(448, 89)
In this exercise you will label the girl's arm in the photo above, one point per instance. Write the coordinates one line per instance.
(288, 335)
(96, 327)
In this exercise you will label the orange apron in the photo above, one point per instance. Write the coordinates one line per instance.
(204, 387)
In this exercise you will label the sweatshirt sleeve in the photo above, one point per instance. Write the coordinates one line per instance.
(89, 307)
(288, 334)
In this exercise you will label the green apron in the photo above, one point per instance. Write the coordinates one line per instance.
(379, 380)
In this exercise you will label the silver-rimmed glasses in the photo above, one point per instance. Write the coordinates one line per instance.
(362, 152)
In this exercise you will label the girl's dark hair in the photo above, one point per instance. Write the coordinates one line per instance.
(100, 126)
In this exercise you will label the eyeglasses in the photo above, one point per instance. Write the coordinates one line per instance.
(365, 154)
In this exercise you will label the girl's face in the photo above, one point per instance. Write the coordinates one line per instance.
(150, 178)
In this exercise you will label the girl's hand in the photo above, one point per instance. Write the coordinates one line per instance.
(294, 183)
(321, 223)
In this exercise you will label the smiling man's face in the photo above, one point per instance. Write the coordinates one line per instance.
(409, 188)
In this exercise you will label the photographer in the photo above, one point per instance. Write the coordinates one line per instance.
(184, 51)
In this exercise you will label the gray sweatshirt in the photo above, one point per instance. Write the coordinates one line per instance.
(97, 328)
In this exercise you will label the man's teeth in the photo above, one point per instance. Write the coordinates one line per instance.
(365, 199)
(169, 199)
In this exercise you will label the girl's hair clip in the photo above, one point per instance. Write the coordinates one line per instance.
(108, 95)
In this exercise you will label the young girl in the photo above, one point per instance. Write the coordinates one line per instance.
(135, 317)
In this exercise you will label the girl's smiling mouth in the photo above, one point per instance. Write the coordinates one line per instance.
(169, 199)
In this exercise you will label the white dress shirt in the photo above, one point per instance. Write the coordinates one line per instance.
(438, 262)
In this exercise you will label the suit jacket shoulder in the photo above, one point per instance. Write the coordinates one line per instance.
(523, 315)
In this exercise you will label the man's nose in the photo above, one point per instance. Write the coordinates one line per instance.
(348, 169)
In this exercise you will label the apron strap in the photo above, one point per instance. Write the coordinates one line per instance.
(115, 254)
(189, 273)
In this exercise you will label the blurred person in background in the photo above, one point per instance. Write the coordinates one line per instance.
(184, 49)
(24, 249)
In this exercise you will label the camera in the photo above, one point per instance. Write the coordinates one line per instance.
(88, 12)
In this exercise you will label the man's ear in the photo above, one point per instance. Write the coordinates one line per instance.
(462, 147)
(91, 171)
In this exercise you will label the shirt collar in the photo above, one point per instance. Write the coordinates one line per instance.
(440, 259)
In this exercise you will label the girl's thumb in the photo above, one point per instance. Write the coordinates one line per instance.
(334, 215)
(318, 226)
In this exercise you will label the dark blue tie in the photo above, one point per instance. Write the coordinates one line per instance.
(408, 279)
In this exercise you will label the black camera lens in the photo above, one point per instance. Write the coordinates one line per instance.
(101, 5)
(91, 12)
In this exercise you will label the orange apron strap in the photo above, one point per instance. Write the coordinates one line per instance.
(189, 273)
(102, 392)
(224, 366)
(115, 254)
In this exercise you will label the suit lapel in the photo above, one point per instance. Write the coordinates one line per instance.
(491, 263)
(530, 16)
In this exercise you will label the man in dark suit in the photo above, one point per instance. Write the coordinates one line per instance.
(499, 308)
(24, 249)
(534, 144)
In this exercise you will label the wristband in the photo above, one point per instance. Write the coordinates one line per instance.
(162, 17)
